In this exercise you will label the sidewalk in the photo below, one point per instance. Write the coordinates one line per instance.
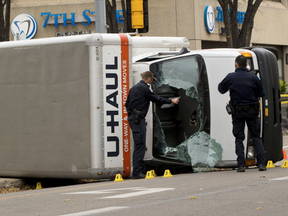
(285, 141)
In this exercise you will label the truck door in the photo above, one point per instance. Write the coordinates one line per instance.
(271, 105)
(183, 77)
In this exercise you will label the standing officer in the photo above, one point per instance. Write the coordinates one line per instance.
(137, 105)
(245, 89)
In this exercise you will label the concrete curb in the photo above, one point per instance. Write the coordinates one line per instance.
(8, 183)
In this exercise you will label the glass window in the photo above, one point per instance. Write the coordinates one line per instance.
(181, 132)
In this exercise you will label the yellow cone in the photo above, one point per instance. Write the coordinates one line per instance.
(153, 173)
(285, 164)
(38, 185)
(149, 175)
(167, 173)
(270, 164)
(118, 178)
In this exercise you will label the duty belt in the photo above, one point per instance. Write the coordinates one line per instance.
(142, 114)
(246, 107)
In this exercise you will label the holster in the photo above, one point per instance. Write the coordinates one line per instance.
(229, 108)
(138, 115)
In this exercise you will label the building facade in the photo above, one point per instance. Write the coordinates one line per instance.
(183, 18)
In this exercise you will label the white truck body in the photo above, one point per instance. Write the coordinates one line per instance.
(62, 103)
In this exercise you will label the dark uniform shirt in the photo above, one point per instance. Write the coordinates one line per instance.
(245, 88)
(140, 96)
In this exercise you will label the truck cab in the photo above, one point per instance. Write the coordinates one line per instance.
(198, 131)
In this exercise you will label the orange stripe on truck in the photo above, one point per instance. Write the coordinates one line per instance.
(125, 90)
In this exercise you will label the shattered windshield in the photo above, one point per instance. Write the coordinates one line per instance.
(181, 132)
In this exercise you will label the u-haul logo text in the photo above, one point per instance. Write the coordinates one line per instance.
(112, 113)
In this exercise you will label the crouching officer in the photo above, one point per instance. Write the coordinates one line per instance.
(245, 89)
(137, 105)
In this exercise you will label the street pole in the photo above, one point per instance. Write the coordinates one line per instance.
(100, 16)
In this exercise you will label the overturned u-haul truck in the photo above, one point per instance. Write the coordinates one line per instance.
(62, 112)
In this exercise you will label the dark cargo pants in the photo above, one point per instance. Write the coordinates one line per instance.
(239, 118)
(139, 137)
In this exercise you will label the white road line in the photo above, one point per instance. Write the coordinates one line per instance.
(140, 193)
(107, 191)
(280, 179)
(96, 211)
(128, 192)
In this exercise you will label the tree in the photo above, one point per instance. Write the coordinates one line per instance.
(5, 8)
(238, 38)
(111, 20)
(111, 16)
(124, 14)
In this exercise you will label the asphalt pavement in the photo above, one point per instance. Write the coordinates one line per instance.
(18, 182)
(219, 193)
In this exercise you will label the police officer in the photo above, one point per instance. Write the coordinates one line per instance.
(137, 105)
(245, 89)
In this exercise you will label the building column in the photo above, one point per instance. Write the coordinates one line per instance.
(195, 44)
(285, 2)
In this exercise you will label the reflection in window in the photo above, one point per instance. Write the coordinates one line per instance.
(179, 73)
(181, 128)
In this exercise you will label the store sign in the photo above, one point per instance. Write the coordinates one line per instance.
(220, 15)
(71, 33)
(24, 25)
(65, 19)
(209, 19)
